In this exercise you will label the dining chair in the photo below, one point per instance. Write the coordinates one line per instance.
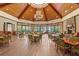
(75, 50)
(62, 47)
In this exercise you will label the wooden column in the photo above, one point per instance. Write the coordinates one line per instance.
(75, 23)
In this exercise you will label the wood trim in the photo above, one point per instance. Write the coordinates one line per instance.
(24, 10)
(55, 10)
(75, 23)
(4, 27)
(45, 14)
(4, 4)
(62, 27)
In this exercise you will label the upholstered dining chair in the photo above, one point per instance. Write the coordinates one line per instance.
(75, 50)
(62, 47)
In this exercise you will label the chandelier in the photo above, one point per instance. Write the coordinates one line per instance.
(38, 16)
(39, 5)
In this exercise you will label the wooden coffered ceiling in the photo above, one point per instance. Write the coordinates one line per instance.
(51, 12)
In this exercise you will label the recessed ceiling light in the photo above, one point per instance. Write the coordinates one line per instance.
(66, 11)
(7, 9)
(22, 17)
(30, 10)
(71, 7)
(47, 9)
(56, 16)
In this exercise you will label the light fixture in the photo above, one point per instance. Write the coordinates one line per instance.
(56, 16)
(31, 10)
(22, 17)
(38, 16)
(47, 9)
(69, 25)
(40, 5)
(71, 7)
(66, 11)
(7, 9)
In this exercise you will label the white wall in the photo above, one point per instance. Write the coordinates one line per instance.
(2, 20)
(61, 28)
(66, 22)
(77, 23)
(64, 26)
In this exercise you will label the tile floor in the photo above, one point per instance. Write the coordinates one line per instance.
(22, 47)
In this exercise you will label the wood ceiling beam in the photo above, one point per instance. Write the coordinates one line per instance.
(4, 4)
(45, 14)
(55, 10)
(23, 10)
(77, 4)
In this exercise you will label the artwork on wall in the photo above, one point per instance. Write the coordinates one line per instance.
(71, 25)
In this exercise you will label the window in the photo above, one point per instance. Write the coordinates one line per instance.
(37, 28)
(9, 27)
(27, 28)
(52, 28)
(19, 27)
(23, 28)
(49, 28)
(56, 29)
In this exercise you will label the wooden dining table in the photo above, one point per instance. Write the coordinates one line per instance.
(35, 36)
(1, 38)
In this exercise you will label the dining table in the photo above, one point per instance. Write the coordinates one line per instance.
(35, 37)
(1, 38)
